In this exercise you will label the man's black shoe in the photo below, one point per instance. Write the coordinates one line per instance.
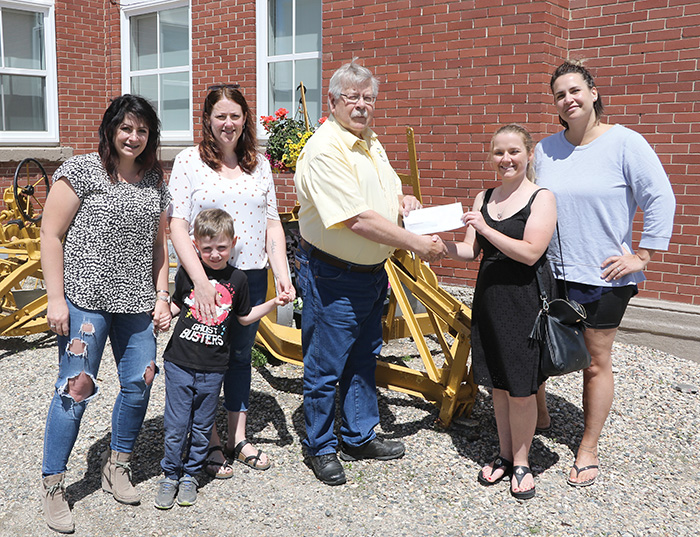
(327, 468)
(382, 450)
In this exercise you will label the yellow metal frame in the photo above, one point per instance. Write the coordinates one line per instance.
(450, 385)
(22, 311)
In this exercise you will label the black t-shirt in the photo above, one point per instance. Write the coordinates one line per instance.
(195, 344)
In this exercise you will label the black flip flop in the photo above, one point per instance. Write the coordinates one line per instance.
(498, 463)
(587, 482)
(544, 430)
(519, 473)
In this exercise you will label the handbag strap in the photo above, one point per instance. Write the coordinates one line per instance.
(540, 271)
(540, 285)
(561, 260)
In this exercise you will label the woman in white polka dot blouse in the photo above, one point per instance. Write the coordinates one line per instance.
(226, 171)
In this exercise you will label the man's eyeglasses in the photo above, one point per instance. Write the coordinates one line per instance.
(216, 87)
(354, 99)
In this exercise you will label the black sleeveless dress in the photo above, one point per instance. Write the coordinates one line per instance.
(506, 303)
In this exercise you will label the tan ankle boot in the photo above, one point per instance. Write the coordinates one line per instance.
(56, 510)
(116, 477)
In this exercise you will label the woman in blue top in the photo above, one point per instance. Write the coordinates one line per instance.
(600, 174)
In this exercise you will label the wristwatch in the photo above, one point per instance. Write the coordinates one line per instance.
(165, 298)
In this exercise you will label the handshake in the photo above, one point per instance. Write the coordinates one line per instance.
(431, 248)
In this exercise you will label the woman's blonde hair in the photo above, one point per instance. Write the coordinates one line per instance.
(527, 141)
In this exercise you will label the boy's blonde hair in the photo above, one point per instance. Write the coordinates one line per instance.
(211, 223)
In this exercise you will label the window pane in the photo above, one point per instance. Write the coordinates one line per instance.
(175, 108)
(144, 42)
(281, 86)
(309, 72)
(23, 39)
(280, 27)
(147, 87)
(23, 99)
(308, 30)
(174, 37)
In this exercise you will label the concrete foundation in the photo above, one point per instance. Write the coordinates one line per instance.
(671, 327)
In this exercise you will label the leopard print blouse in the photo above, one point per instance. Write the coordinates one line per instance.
(108, 248)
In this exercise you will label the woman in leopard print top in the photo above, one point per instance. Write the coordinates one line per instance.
(104, 256)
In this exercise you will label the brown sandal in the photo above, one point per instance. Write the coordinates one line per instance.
(219, 474)
(251, 460)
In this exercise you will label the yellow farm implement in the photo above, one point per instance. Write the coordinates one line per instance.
(448, 383)
(22, 294)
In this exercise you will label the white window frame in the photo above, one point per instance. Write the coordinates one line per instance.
(131, 8)
(50, 135)
(263, 60)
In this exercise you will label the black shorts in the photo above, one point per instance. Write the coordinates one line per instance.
(607, 311)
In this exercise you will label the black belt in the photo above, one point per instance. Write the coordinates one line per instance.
(338, 263)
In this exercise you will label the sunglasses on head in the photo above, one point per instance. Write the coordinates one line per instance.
(223, 86)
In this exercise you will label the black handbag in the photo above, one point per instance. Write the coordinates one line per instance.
(559, 330)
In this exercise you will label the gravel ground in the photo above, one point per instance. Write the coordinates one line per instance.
(648, 485)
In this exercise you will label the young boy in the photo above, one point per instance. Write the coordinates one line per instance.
(197, 355)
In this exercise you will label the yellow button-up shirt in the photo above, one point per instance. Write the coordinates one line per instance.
(339, 176)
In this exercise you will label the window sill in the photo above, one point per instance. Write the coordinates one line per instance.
(167, 153)
(42, 154)
(61, 154)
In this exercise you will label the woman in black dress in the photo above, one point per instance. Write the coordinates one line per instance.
(512, 224)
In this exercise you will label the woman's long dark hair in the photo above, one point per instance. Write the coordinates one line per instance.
(113, 117)
(247, 146)
(577, 67)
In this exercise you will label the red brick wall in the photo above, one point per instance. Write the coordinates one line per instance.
(454, 71)
(89, 68)
(223, 49)
(645, 55)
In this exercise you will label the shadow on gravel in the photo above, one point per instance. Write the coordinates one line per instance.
(480, 442)
(266, 411)
(282, 384)
(148, 450)
(12, 345)
(389, 426)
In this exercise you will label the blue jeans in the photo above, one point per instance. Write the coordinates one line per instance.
(191, 399)
(237, 379)
(341, 335)
(134, 348)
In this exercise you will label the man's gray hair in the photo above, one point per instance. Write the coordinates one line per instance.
(349, 75)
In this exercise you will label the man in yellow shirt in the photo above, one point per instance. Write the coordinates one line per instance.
(350, 201)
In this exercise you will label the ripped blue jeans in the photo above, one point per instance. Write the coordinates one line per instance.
(134, 348)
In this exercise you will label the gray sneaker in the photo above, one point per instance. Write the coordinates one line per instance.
(165, 497)
(187, 491)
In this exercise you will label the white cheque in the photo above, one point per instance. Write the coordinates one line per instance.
(434, 219)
